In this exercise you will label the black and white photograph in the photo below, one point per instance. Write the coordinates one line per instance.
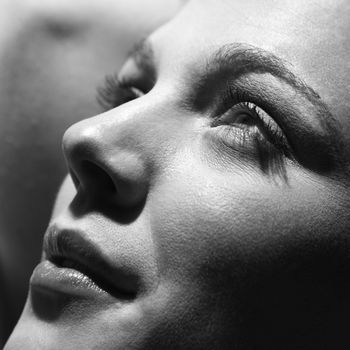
(175, 174)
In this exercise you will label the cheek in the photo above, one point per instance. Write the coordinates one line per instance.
(213, 228)
(203, 225)
(242, 254)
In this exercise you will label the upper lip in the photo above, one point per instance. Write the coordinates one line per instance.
(62, 246)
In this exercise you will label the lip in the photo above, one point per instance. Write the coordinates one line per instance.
(74, 265)
(64, 281)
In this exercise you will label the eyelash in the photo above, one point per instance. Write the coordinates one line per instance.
(115, 92)
(265, 136)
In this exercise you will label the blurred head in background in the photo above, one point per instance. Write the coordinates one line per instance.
(208, 207)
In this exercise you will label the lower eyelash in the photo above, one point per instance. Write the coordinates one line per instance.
(250, 138)
(271, 159)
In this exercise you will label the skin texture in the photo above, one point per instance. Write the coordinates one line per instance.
(228, 256)
(53, 54)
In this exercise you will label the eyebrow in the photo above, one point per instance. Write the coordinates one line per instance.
(244, 59)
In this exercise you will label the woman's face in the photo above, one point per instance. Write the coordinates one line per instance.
(211, 208)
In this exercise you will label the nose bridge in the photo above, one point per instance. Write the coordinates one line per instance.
(98, 136)
(138, 127)
(113, 153)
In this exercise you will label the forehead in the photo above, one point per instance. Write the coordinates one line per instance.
(312, 37)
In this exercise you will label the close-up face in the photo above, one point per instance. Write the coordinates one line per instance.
(209, 204)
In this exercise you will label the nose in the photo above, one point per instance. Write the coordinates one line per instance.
(105, 160)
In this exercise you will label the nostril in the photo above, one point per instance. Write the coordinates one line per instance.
(95, 179)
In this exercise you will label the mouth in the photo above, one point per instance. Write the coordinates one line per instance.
(74, 265)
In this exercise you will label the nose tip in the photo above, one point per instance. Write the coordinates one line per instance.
(102, 165)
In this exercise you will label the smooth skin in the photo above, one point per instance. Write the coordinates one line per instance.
(229, 255)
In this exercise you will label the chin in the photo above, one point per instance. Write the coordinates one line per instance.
(53, 320)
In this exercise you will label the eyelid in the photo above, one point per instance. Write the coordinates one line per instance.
(233, 96)
(256, 88)
(135, 75)
(115, 92)
(270, 128)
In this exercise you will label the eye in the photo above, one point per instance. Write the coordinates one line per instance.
(241, 115)
(116, 92)
(248, 127)
(250, 117)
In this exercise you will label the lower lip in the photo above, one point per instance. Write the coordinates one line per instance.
(65, 280)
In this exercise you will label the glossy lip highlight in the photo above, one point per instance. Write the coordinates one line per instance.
(73, 263)
(48, 276)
